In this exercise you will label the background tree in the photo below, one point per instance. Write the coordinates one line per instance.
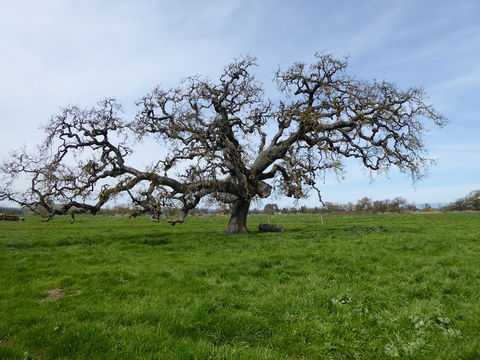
(226, 142)
(271, 209)
(363, 204)
(468, 202)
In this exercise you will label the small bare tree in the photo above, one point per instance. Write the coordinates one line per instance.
(225, 142)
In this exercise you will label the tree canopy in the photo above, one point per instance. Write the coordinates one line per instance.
(224, 141)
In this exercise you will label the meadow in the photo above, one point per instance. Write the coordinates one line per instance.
(356, 287)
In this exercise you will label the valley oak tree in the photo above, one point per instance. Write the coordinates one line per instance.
(223, 141)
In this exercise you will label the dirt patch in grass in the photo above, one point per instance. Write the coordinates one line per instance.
(57, 293)
(54, 294)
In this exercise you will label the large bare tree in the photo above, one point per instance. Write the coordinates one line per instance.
(224, 142)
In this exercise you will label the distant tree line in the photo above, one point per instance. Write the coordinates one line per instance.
(471, 202)
(11, 210)
(128, 211)
(365, 205)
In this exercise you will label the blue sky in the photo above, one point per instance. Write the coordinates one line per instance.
(56, 53)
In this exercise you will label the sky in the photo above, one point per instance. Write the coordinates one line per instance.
(57, 53)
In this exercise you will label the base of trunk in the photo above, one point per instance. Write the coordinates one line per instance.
(238, 218)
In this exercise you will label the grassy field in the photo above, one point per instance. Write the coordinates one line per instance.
(357, 287)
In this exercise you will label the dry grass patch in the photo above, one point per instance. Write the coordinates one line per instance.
(54, 294)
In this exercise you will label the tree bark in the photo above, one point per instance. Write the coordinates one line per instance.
(238, 217)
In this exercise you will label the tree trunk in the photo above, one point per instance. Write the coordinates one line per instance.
(238, 217)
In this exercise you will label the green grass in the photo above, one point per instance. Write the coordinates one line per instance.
(358, 287)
